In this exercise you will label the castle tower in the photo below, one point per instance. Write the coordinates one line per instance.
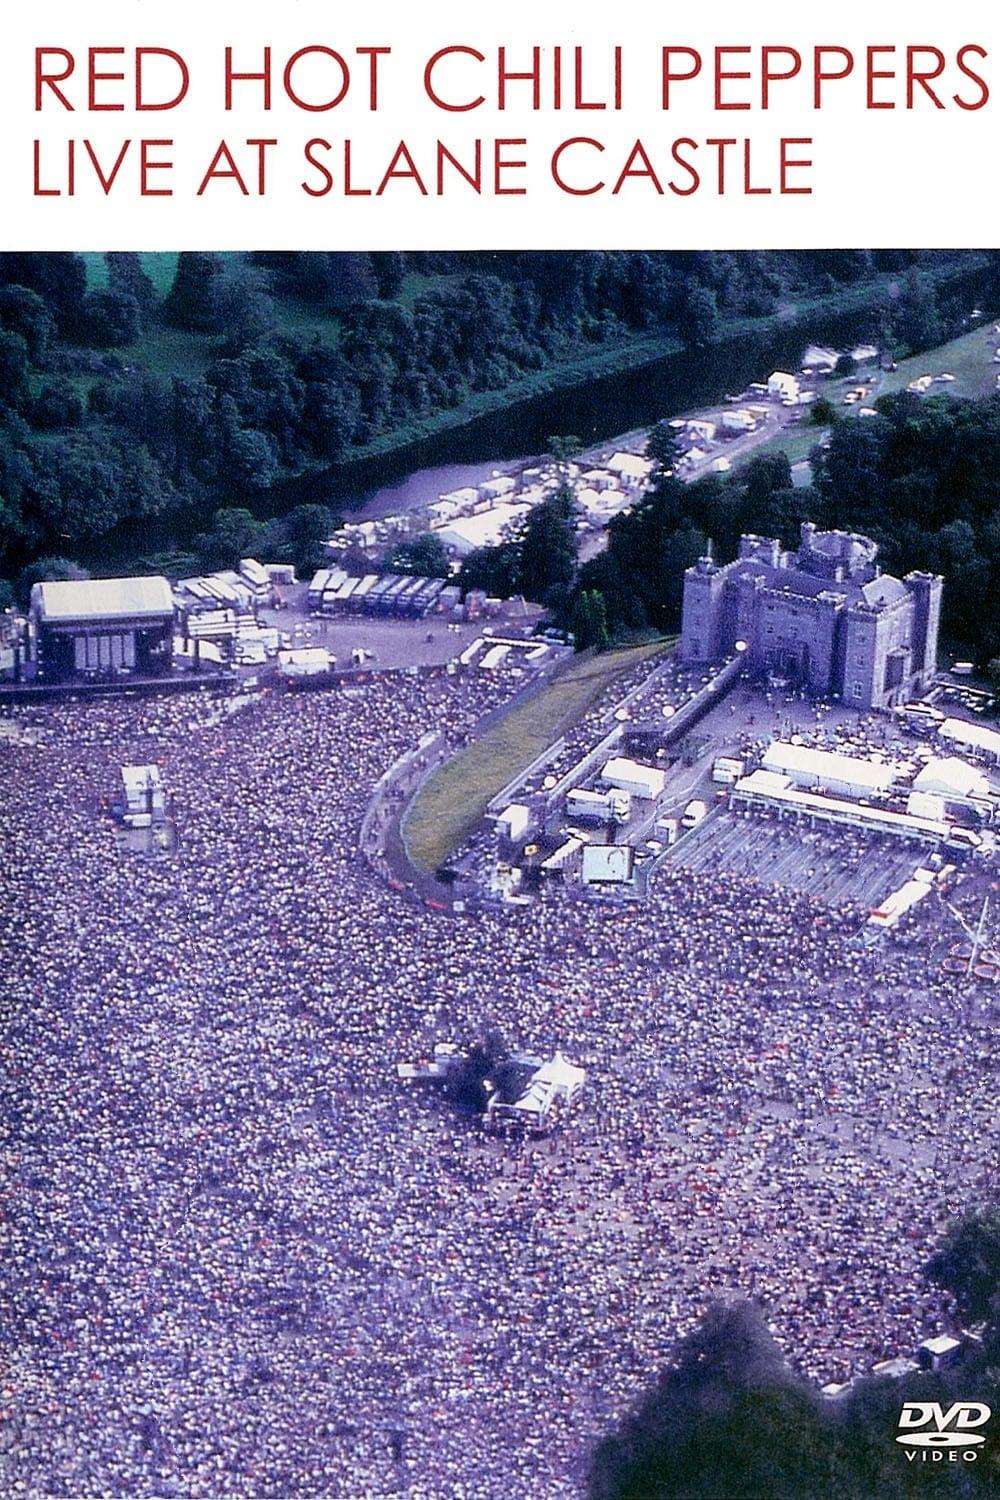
(926, 590)
(704, 585)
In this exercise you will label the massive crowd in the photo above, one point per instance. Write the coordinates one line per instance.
(640, 693)
(242, 1260)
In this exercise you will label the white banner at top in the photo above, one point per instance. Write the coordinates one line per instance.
(165, 124)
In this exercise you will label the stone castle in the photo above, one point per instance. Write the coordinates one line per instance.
(824, 617)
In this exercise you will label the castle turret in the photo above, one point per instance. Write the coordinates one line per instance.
(704, 585)
(765, 549)
(824, 617)
(926, 589)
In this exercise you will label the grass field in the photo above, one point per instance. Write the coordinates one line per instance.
(969, 358)
(797, 442)
(455, 797)
(159, 266)
(163, 351)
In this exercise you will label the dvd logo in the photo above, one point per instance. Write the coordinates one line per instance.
(949, 1428)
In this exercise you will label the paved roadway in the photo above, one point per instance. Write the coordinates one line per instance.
(394, 643)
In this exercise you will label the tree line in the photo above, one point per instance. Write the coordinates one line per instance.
(94, 436)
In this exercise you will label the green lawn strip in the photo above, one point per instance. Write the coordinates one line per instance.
(161, 268)
(456, 796)
(97, 269)
(172, 352)
(796, 442)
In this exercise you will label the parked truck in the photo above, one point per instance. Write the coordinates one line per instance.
(612, 806)
(314, 593)
(514, 822)
(556, 864)
(667, 829)
(695, 812)
(727, 770)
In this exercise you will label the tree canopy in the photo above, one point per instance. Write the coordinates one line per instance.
(125, 399)
(728, 1419)
(921, 478)
(968, 1263)
(425, 556)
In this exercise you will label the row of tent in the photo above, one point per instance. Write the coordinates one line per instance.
(334, 591)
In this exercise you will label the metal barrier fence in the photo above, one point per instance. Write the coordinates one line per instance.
(398, 783)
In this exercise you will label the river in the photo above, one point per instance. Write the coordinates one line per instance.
(422, 488)
(597, 410)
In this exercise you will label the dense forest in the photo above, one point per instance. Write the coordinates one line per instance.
(729, 1417)
(125, 402)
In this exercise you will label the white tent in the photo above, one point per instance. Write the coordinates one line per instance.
(631, 468)
(979, 736)
(464, 534)
(948, 776)
(846, 775)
